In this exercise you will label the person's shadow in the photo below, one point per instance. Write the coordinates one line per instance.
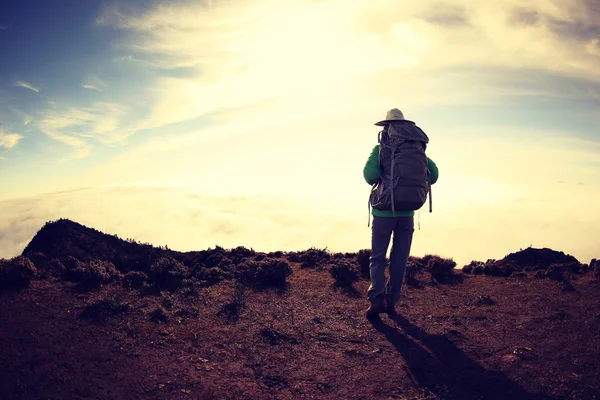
(445, 370)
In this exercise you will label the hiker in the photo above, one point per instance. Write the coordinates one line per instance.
(399, 157)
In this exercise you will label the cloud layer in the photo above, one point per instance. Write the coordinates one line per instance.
(189, 220)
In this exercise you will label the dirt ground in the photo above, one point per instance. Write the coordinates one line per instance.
(484, 338)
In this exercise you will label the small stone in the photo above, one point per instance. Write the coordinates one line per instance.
(161, 385)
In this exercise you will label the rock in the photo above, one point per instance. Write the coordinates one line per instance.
(524, 353)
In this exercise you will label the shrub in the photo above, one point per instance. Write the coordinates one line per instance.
(45, 266)
(344, 273)
(413, 267)
(101, 310)
(168, 273)
(275, 254)
(594, 264)
(231, 311)
(467, 269)
(313, 258)
(363, 258)
(293, 257)
(493, 269)
(211, 276)
(226, 264)
(478, 270)
(500, 268)
(71, 262)
(264, 274)
(134, 279)
(41, 262)
(213, 260)
(557, 272)
(159, 314)
(240, 253)
(259, 257)
(574, 267)
(94, 273)
(16, 273)
(441, 269)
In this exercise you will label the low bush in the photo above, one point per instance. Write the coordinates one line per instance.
(493, 270)
(467, 269)
(134, 279)
(268, 273)
(159, 314)
(478, 270)
(212, 276)
(71, 263)
(314, 258)
(344, 273)
(363, 258)
(232, 310)
(16, 273)
(94, 273)
(46, 267)
(441, 269)
(101, 310)
(213, 259)
(239, 253)
(557, 272)
(168, 273)
(413, 267)
(293, 256)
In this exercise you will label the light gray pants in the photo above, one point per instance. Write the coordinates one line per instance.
(383, 227)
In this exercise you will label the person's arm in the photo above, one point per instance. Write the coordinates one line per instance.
(371, 170)
(435, 173)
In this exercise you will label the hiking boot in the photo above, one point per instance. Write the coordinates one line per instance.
(377, 307)
(390, 306)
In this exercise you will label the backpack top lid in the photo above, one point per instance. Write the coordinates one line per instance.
(399, 131)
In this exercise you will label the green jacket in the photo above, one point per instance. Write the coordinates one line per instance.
(372, 174)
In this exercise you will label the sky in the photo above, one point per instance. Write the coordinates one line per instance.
(248, 122)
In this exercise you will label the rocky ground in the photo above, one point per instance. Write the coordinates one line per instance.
(470, 337)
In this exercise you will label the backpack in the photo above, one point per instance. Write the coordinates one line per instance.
(405, 177)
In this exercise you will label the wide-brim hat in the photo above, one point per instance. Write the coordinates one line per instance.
(393, 115)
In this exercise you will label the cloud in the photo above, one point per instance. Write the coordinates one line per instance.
(9, 140)
(26, 86)
(77, 127)
(94, 83)
(239, 54)
(525, 17)
(447, 15)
